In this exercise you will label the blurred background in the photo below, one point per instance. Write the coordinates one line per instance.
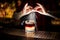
(10, 8)
(52, 6)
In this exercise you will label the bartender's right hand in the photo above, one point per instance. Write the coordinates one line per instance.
(27, 8)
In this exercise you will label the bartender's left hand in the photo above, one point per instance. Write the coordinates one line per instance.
(40, 8)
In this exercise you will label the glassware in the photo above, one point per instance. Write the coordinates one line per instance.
(29, 26)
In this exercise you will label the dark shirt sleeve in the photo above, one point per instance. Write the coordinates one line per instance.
(43, 22)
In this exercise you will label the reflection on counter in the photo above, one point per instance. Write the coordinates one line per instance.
(29, 34)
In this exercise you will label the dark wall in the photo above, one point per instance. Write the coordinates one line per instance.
(48, 4)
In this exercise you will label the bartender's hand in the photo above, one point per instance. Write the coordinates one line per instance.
(40, 8)
(27, 8)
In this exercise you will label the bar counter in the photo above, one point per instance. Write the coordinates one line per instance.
(34, 35)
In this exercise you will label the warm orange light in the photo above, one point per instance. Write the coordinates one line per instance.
(55, 22)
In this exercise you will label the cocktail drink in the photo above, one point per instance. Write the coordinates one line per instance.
(29, 26)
